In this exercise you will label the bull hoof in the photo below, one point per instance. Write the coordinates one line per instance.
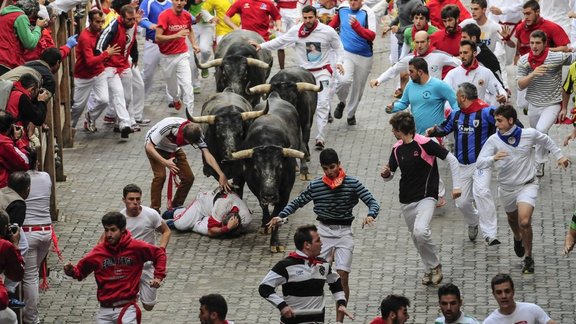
(297, 168)
(280, 248)
(274, 249)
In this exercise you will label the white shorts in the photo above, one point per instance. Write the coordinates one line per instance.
(148, 294)
(526, 194)
(337, 245)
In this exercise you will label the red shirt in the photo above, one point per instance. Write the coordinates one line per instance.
(88, 65)
(45, 42)
(172, 23)
(255, 15)
(435, 7)
(447, 43)
(118, 268)
(556, 34)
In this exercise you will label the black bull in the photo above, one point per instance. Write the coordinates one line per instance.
(297, 86)
(225, 117)
(269, 153)
(238, 65)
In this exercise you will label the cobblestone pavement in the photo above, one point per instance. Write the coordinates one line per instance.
(385, 260)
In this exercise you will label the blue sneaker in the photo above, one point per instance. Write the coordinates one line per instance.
(170, 224)
(16, 304)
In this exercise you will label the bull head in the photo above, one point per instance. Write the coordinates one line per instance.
(257, 63)
(209, 64)
(210, 119)
(286, 152)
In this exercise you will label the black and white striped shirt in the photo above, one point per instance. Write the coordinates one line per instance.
(545, 90)
(302, 287)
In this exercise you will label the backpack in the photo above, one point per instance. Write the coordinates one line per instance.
(5, 89)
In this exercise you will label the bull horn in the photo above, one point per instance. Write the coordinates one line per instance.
(257, 63)
(209, 64)
(305, 86)
(240, 155)
(292, 153)
(252, 114)
(210, 119)
(260, 89)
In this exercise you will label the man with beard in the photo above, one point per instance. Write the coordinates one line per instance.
(416, 156)
(450, 304)
(394, 309)
(120, 32)
(425, 95)
(448, 39)
(436, 7)
(117, 265)
(511, 152)
(436, 60)
(511, 311)
(89, 74)
(213, 310)
(489, 88)
(327, 42)
(540, 73)
(484, 55)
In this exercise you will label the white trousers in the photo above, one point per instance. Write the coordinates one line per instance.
(351, 85)
(151, 59)
(120, 91)
(179, 78)
(38, 247)
(542, 118)
(475, 186)
(110, 315)
(148, 295)
(205, 37)
(7, 316)
(138, 95)
(418, 216)
(82, 89)
(323, 105)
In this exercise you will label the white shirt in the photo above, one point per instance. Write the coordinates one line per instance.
(511, 10)
(556, 11)
(486, 83)
(143, 227)
(519, 167)
(163, 134)
(488, 32)
(313, 51)
(38, 201)
(436, 61)
(526, 313)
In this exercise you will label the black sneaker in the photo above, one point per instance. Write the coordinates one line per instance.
(330, 118)
(16, 303)
(351, 121)
(519, 248)
(319, 145)
(492, 241)
(124, 133)
(528, 267)
(339, 110)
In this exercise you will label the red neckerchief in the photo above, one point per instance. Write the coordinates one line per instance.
(336, 182)
(430, 49)
(414, 31)
(180, 141)
(536, 61)
(312, 261)
(19, 87)
(304, 32)
(475, 106)
(471, 67)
